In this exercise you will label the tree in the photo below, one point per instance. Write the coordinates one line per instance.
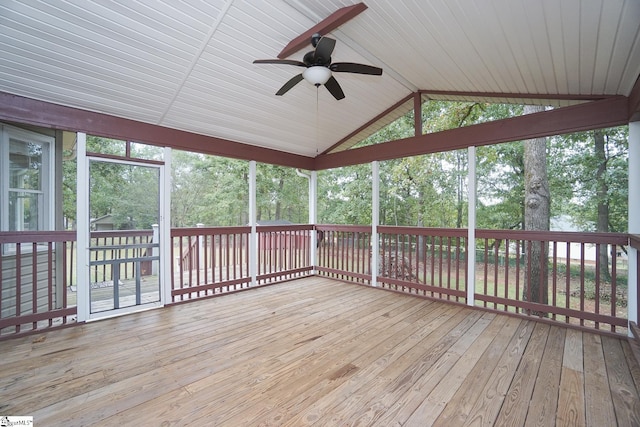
(537, 215)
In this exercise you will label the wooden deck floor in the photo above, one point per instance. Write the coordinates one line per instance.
(319, 352)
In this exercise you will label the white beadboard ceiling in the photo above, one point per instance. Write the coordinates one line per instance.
(188, 64)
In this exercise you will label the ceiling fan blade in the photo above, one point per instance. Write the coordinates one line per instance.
(350, 67)
(335, 89)
(288, 85)
(323, 51)
(280, 61)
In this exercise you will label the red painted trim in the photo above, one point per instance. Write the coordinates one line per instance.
(36, 236)
(327, 25)
(592, 115)
(14, 108)
(634, 102)
(560, 311)
(30, 318)
(476, 95)
(423, 231)
(423, 287)
(417, 113)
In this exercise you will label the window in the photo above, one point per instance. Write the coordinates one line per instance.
(27, 185)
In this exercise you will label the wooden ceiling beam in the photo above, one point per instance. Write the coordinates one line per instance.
(545, 96)
(327, 25)
(590, 115)
(634, 102)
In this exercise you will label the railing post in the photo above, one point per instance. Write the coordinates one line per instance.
(313, 219)
(634, 220)
(253, 238)
(471, 231)
(200, 247)
(82, 227)
(375, 219)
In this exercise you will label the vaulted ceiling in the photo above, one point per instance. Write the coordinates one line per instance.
(189, 65)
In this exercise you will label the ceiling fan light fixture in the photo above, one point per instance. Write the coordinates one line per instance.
(317, 75)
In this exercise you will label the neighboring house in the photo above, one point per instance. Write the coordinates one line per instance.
(565, 223)
(103, 223)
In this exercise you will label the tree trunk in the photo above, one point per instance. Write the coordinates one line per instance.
(536, 215)
(602, 191)
(278, 201)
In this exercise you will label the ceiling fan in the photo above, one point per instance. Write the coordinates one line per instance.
(319, 67)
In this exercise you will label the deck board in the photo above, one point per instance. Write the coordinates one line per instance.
(319, 352)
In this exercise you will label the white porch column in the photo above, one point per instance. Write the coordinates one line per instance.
(634, 217)
(471, 232)
(253, 238)
(82, 228)
(165, 226)
(313, 218)
(375, 220)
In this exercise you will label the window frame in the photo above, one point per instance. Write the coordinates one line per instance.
(46, 212)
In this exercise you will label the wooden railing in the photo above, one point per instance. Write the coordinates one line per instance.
(428, 262)
(344, 252)
(220, 261)
(579, 290)
(209, 261)
(34, 279)
(283, 252)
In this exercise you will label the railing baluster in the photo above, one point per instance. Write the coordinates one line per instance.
(582, 260)
(554, 275)
(507, 243)
(614, 283)
(568, 280)
(597, 282)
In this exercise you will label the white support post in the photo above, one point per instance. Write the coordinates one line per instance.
(313, 219)
(165, 226)
(82, 228)
(471, 232)
(634, 219)
(375, 221)
(253, 238)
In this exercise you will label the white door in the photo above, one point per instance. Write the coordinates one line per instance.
(122, 264)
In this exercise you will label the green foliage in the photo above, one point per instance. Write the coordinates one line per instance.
(281, 195)
(210, 190)
(344, 195)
